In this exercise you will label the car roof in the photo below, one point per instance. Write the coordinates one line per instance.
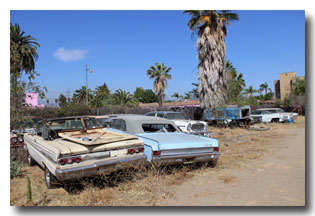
(134, 122)
(163, 112)
(268, 108)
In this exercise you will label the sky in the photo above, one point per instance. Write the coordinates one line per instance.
(119, 46)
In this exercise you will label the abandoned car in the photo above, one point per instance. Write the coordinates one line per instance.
(75, 147)
(267, 116)
(165, 144)
(286, 115)
(185, 125)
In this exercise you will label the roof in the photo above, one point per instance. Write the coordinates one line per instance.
(163, 112)
(193, 103)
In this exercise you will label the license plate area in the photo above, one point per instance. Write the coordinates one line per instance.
(188, 160)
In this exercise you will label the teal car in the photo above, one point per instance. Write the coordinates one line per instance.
(164, 143)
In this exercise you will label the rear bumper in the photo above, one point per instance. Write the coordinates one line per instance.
(185, 159)
(98, 168)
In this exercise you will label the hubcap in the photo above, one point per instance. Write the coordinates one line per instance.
(47, 177)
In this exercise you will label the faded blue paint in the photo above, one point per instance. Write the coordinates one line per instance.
(222, 113)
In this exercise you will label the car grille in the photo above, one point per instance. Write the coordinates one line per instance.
(197, 127)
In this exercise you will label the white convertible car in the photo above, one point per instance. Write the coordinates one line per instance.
(75, 147)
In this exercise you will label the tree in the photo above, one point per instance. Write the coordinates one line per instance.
(124, 98)
(299, 87)
(161, 74)
(56, 101)
(80, 95)
(250, 91)
(23, 55)
(145, 96)
(235, 83)
(211, 30)
(176, 95)
(264, 87)
(62, 100)
(102, 91)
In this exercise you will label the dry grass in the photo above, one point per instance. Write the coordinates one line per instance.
(147, 186)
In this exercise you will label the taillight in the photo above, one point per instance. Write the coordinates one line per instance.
(135, 150)
(216, 149)
(70, 160)
(156, 153)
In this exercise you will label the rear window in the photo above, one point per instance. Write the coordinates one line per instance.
(151, 128)
(150, 114)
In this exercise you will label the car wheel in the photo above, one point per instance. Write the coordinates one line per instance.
(275, 120)
(31, 161)
(212, 164)
(50, 179)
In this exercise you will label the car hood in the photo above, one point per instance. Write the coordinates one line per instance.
(180, 140)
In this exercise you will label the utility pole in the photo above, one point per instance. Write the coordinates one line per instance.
(87, 92)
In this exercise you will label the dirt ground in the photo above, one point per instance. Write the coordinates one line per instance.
(255, 168)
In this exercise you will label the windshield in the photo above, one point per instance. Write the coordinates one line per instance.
(72, 124)
(174, 116)
(151, 128)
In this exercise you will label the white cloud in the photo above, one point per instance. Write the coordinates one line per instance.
(69, 55)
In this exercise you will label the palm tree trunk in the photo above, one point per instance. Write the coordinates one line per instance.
(211, 55)
(160, 96)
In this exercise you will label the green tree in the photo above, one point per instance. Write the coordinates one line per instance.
(176, 95)
(124, 98)
(160, 74)
(145, 96)
(80, 95)
(250, 91)
(264, 87)
(62, 100)
(210, 28)
(23, 55)
(235, 83)
(102, 91)
(299, 87)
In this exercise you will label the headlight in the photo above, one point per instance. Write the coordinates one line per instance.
(189, 126)
(14, 140)
(20, 139)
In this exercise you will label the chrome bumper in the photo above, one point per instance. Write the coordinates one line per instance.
(98, 168)
(184, 159)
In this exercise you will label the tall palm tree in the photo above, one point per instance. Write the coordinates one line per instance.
(161, 74)
(264, 87)
(23, 51)
(250, 90)
(124, 98)
(211, 30)
(102, 91)
(80, 95)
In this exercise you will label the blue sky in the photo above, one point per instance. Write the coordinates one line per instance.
(121, 45)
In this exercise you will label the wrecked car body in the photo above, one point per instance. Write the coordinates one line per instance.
(75, 147)
(165, 144)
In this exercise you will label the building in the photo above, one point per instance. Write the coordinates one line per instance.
(31, 100)
(284, 86)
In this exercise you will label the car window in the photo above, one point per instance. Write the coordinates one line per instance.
(161, 115)
(271, 111)
(174, 116)
(150, 114)
(266, 112)
(119, 124)
(257, 112)
(151, 128)
(39, 129)
(92, 123)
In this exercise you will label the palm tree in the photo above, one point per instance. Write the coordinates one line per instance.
(56, 101)
(102, 91)
(124, 98)
(263, 87)
(81, 94)
(176, 95)
(235, 82)
(210, 26)
(160, 74)
(250, 91)
(23, 51)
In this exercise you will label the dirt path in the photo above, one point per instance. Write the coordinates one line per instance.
(275, 180)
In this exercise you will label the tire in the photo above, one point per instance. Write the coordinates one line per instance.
(275, 120)
(50, 179)
(30, 160)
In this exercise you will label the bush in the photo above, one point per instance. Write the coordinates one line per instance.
(15, 168)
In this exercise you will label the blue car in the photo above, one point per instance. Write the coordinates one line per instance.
(164, 143)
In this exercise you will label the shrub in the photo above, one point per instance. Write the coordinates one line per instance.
(15, 169)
